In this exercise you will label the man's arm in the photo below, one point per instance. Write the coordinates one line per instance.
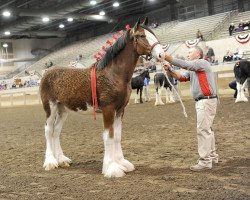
(196, 65)
(174, 73)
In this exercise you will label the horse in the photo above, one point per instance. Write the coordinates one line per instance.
(70, 88)
(242, 73)
(160, 81)
(138, 83)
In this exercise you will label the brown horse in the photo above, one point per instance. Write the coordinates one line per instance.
(63, 88)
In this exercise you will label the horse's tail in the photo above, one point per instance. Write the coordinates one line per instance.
(44, 95)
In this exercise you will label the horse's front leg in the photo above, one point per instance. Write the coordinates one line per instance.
(113, 156)
(118, 149)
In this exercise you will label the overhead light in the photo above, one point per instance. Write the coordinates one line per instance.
(5, 45)
(70, 19)
(61, 26)
(151, 0)
(6, 13)
(116, 4)
(102, 13)
(45, 19)
(92, 2)
(6, 33)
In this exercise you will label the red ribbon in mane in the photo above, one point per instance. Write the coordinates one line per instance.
(93, 89)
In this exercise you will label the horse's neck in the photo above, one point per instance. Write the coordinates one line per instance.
(124, 63)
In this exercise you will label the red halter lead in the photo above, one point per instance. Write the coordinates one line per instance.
(93, 90)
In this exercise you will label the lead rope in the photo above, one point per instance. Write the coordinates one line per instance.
(93, 89)
(183, 107)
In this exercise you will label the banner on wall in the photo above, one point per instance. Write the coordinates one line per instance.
(243, 38)
(192, 43)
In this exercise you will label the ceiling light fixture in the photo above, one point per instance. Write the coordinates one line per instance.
(70, 19)
(6, 13)
(102, 13)
(45, 19)
(5, 45)
(92, 3)
(61, 26)
(116, 4)
(6, 33)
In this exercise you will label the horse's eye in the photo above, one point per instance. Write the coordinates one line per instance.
(143, 36)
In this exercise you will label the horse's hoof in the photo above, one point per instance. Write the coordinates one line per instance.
(128, 165)
(114, 170)
(64, 161)
(241, 100)
(50, 163)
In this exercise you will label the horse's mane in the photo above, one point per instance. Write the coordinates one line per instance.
(113, 51)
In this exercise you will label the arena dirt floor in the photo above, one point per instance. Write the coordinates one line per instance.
(159, 141)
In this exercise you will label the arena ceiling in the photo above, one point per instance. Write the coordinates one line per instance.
(25, 20)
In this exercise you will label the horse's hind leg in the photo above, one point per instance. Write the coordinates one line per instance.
(61, 116)
(240, 93)
(141, 94)
(169, 95)
(111, 168)
(50, 160)
(136, 98)
(158, 100)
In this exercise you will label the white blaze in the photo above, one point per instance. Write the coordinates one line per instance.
(157, 50)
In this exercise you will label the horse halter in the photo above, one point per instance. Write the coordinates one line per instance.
(149, 55)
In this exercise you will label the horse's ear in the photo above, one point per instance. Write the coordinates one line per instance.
(145, 22)
(137, 24)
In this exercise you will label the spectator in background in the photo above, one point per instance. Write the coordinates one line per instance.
(199, 35)
(238, 54)
(246, 25)
(231, 29)
(210, 54)
(154, 25)
(50, 64)
(228, 56)
(240, 27)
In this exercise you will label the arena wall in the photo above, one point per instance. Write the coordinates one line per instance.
(219, 46)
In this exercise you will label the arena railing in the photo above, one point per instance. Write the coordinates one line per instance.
(19, 97)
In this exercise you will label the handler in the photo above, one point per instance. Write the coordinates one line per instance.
(203, 89)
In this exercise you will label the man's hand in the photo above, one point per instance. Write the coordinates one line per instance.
(167, 67)
(166, 57)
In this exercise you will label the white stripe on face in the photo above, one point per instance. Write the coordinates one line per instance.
(157, 50)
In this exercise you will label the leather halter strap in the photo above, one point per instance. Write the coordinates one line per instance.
(153, 46)
(149, 56)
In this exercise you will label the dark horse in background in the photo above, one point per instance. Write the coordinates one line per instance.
(62, 88)
(242, 73)
(138, 83)
(160, 81)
